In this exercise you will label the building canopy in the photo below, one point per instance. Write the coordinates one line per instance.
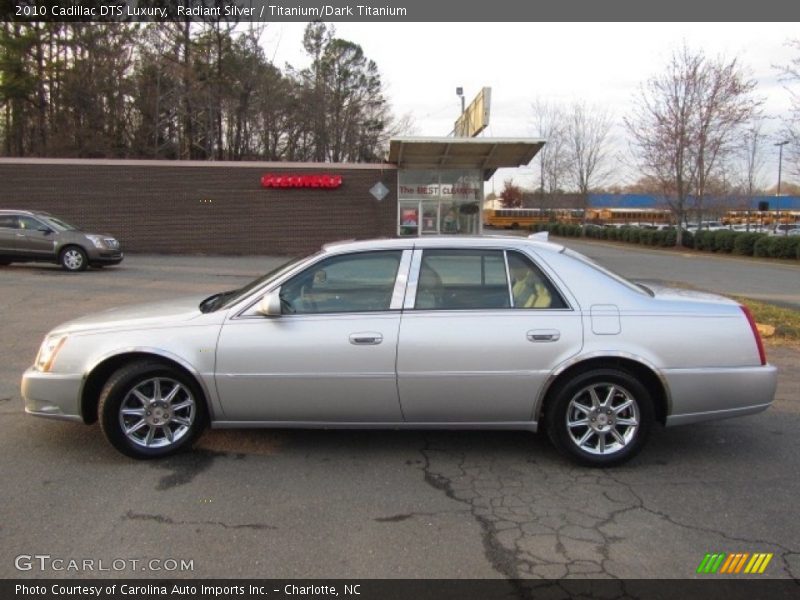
(486, 154)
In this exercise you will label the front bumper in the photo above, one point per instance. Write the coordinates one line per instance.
(708, 394)
(52, 395)
(105, 257)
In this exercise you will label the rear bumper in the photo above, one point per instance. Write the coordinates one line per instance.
(708, 394)
(52, 395)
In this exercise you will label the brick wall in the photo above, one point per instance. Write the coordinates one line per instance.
(198, 208)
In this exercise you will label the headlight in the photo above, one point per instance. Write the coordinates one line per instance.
(48, 352)
(97, 240)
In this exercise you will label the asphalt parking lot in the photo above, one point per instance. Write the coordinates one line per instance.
(288, 504)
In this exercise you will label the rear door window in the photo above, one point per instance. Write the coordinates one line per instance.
(461, 280)
(8, 221)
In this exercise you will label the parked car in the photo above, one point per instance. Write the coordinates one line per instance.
(28, 236)
(785, 229)
(707, 226)
(451, 333)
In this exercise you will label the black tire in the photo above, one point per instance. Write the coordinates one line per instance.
(73, 258)
(118, 391)
(600, 420)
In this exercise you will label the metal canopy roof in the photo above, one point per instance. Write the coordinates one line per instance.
(488, 154)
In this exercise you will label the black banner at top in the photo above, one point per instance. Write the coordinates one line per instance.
(400, 10)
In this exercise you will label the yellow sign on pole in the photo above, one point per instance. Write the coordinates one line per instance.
(475, 117)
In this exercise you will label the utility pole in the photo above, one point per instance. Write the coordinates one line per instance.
(780, 146)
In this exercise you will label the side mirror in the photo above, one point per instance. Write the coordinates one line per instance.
(270, 305)
(46, 230)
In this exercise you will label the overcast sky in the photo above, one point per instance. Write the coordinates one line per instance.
(603, 64)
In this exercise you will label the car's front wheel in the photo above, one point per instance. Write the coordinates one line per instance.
(73, 258)
(150, 410)
(601, 417)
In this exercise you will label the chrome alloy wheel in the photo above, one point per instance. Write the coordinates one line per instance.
(602, 418)
(73, 259)
(157, 412)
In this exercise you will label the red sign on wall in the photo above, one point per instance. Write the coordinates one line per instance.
(328, 182)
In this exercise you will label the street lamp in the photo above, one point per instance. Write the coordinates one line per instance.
(780, 146)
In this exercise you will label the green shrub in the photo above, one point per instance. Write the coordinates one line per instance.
(762, 245)
(744, 242)
(612, 233)
(724, 240)
(687, 239)
(646, 236)
(703, 240)
(783, 246)
(635, 235)
(669, 238)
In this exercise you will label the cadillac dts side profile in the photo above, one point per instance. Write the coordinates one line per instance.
(452, 333)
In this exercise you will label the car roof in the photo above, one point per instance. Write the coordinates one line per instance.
(461, 241)
(32, 213)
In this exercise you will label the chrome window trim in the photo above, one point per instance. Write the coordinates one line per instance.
(413, 280)
(400, 282)
(508, 279)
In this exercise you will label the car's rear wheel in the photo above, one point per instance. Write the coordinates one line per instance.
(73, 258)
(601, 417)
(150, 410)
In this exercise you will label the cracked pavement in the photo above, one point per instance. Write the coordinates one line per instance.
(289, 504)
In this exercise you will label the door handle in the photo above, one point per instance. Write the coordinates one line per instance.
(20, 235)
(544, 335)
(367, 338)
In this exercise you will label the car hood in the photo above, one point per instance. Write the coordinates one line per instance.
(80, 233)
(154, 314)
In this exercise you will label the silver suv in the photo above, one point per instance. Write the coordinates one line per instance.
(27, 236)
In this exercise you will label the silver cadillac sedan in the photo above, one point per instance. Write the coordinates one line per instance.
(450, 333)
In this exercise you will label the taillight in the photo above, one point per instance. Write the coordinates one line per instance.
(761, 354)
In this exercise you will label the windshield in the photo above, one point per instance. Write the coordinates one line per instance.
(638, 288)
(58, 224)
(226, 299)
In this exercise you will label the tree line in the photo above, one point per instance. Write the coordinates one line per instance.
(183, 90)
(696, 130)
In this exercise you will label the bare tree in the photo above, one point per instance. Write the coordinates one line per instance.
(588, 143)
(751, 164)
(686, 121)
(549, 121)
(724, 105)
(790, 75)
